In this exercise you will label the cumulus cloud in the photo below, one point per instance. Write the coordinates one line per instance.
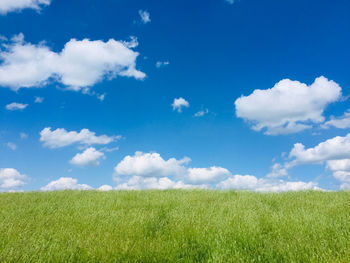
(335, 152)
(249, 182)
(342, 122)
(90, 157)
(11, 178)
(336, 148)
(278, 170)
(105, 188)
(180, 103)
(16, 106)
(163, 183)
(235, 182)
(339, 165)
(160, 64)
(151, 171)
(61, 138)
(80, 65)
(288, 107)
(206, 175)
(65, 183)
(341, 172)
(7, 6)
(150, 165)
(145, 16)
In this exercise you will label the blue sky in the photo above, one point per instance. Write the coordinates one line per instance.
(156, 83)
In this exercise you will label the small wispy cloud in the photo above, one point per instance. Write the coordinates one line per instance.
(16, 106)
(160, 64)
(201, 113)
(23, 135)
(38, 100)
(145, 16)
(101, 97)
(11, 145)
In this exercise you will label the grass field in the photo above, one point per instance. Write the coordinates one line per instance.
(174, 226)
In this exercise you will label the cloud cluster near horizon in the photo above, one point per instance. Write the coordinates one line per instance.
(10, 178)
(334, 153)
(151, 171)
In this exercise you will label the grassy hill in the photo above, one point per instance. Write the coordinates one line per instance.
(174, 226)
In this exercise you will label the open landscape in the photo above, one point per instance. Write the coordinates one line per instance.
(174, 131)
(174, 226)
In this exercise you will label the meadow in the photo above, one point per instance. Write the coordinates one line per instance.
(174, 226)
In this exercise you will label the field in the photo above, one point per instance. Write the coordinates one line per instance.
(174, 226)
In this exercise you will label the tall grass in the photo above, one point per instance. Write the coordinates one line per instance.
(174, 226)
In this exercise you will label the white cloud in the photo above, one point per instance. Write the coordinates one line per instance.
(180, 103)
(150, 165)
(235, 182)
(242, 182)
(109, 150)
(80, 65)
(7, 6)
(341, 172)
(38, 100)
(160, 64)
(105, 188)
(288, 107)
(16, 106)
(151, 171)
(65, 183)
(335, 152)
(101, 97)
(339, 165)
(251, 183)
(336, 148)
(201, 113)
(342, 122)
(230, 1)
(11, 178)
(12, 146)
(343, 176)
(163, 183)
(145, 16)
(207, 175)
(278, 170)
(61, 138)
(90, 157)
(345, 186)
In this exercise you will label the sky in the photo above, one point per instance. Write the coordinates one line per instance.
(219, 94)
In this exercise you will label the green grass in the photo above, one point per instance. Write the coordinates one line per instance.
(174, 226)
